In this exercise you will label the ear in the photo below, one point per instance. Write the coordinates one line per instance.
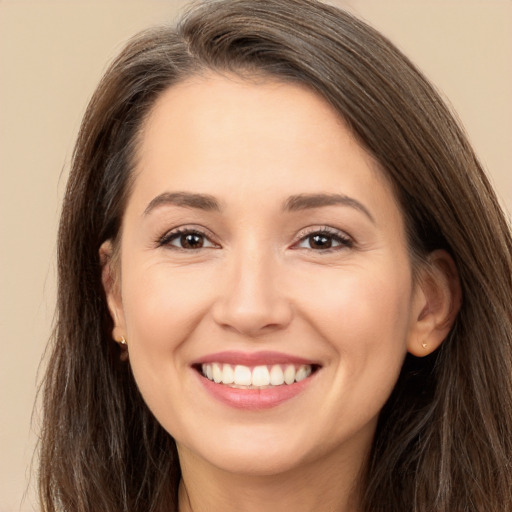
(437, 301)
(110, 279)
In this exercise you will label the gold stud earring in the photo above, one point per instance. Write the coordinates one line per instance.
(123, 345)
(424, 345)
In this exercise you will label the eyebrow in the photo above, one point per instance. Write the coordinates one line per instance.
(185, 199)
(294, 203)
(310, 201)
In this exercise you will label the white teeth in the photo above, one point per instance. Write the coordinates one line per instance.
(276, 375)
(260, 376)
(228, 375)
(217, 373)
(242, 375)
(302, 373)
(257, 377)
(289, 374)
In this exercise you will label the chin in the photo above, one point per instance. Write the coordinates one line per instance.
(255, 454)
(257, 463)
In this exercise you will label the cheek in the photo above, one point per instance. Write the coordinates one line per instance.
(162, 306)
(370, 304)
(363, 317)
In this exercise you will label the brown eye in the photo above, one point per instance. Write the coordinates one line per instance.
(325, 240)
(186, 240)
(191, 241)
(320, 242)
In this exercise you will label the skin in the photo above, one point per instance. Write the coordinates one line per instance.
(260, 283)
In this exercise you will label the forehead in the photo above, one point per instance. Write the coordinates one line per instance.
(219, 106)
(252, 113)
(214, 134)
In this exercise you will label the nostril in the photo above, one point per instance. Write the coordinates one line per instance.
(252, 320)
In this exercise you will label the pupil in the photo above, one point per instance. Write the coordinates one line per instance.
(321, 241)
(191, 241)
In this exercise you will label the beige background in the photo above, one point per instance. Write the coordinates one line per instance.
(51, 56)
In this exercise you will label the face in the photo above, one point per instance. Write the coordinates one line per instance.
(265, 286)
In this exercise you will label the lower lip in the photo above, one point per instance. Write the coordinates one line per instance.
(254, 399)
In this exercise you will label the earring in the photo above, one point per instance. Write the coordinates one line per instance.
(424, 345)
(123, 345)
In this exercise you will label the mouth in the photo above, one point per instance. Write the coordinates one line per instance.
(255, 381)
(255, 377)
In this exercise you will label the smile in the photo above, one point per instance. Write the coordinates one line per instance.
(257, 377)
(255, 381)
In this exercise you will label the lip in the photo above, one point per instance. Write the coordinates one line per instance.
(253, 359)
(254, 399)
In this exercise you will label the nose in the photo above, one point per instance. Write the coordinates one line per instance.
(252, 301)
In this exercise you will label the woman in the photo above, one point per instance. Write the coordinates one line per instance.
(306, 272)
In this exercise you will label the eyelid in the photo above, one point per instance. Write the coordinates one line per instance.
(165, 239)
(346, 241)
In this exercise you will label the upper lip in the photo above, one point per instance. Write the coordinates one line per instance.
(253, 358)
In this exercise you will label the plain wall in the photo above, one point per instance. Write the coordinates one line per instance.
(52, 54)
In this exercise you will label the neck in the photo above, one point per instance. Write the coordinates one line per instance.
(324, 488)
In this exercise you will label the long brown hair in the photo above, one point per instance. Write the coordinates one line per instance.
(444, 439)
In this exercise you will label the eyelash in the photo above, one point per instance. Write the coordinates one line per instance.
(329, 233)
(180, 232)
(343, 240)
